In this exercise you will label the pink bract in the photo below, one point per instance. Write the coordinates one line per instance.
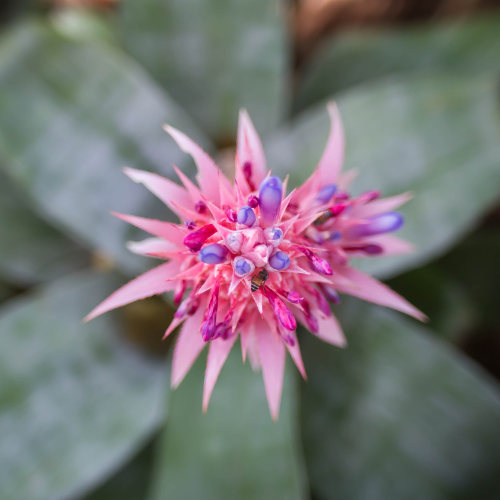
(212, 258)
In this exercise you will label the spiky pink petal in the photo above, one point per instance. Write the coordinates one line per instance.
(167, 191)
(217, 354)
(249, 148)
(152, 282)
(208, 173)
(187, 348)
(271, 351)
(333, 156)
(368, 288)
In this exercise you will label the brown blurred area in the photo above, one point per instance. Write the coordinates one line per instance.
(313, 19)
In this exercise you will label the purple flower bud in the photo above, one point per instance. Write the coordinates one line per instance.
(330, 293)
(385, 223)
(317, 263)
(270, 194)
(190, 224)
(213, 254)
(210, 317)
(243, 266)
(194, 241)
(246, 216)
(325, 194)
(201, 207)
(279, 261)
(253, 201)
(230, 213)
(280, 309)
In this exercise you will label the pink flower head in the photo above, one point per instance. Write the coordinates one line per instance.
(247, 260)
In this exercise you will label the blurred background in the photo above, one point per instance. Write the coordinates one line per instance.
(407, 411)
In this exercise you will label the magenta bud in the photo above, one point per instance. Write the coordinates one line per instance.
(312, 322)
(317, 263)
(270, 194)
(373, 249)
(294, 297)
(280, 309)
(188, 307)
(179, 291)
(384, 223)
(190, 224)
(330, 293)
(279, 261)
(325, 194)
(210, 316)
(322, 303)
(213, 254)
(247, 172)
(246, 216)
(253, 201)
(338, 209)
(369, 249)
(194, 241)
(230, 213)
(342, 196)
(201, 207)
(368, 196)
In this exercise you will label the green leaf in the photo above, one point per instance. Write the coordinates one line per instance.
(235, 450)
(397, 415)
(214, 57)
(467, 46)
(31, 251)
(71, 116)
(436, 136)
(82, 24)
(443, 298)
(132, 481)
(75, 400)
(6, 292)
(474, 264)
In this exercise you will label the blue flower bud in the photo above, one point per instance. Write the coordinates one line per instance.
(270, 194)
(243, 266)
(279, 261)
(246, 216)
(325, 194)
(213, 254)
(385, 223)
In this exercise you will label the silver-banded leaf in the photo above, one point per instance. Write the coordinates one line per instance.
(437, 136)
(235, 450)
(468, 46)
(71, 116)
(214, 57)
(75, 400)
(397, 414)
(31, 251)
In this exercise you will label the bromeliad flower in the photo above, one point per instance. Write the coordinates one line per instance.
(250, 261)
